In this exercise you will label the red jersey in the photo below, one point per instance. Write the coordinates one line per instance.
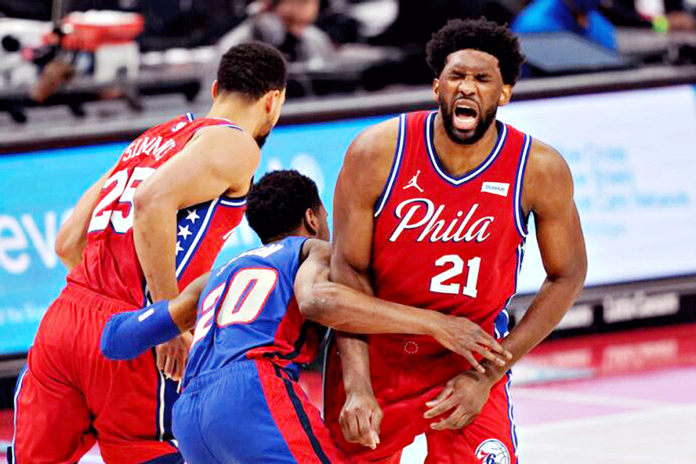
(449, 244)
(110, 265)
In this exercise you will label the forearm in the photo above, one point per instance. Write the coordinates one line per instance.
(348, 310)
(545, 312)
(154, 234)
(353, 348)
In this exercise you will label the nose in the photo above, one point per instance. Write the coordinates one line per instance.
(467, 86)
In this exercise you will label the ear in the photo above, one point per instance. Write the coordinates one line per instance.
(215, 89)
(271, 100)
(311, 222)
(436, 89)
(505, 95)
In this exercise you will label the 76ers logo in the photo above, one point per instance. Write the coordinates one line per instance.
(492, 452)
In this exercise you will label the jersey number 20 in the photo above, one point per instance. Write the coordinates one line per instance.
(246, 296)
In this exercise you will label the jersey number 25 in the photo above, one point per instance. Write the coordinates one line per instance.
(121, 193)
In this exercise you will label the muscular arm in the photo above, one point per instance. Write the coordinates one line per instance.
(72, 236)
(349, 310)
(217, 160)
(360, 183)
(549, 196)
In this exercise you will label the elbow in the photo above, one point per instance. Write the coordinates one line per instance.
(317, 303)
(67, 244)
(143, 199)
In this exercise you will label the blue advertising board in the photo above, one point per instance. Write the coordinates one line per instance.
(631, 154)
(38, 191)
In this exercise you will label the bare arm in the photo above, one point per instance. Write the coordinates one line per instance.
(72, 236)
(562, 246)
(549, 196)
(184, 308)
(349, 310)
(216, 161)
(360, 183)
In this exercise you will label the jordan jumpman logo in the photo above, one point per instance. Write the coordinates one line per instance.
(414, 182)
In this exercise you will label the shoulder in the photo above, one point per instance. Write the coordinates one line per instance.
(369, 159)
(548, 175)
(375, 144)
(315, 249)
(228, 139)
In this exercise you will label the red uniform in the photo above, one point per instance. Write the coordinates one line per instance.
(70, 395)
(452, 245)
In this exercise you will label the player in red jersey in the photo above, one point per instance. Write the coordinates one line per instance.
(146, 229)
(431, 211)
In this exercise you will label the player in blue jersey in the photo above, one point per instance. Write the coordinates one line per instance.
(259, 316)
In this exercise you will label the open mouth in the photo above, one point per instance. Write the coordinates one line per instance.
(465, 116)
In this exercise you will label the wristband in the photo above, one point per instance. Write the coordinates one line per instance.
(127, 335)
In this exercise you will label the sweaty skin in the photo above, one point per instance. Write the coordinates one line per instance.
(472, 77)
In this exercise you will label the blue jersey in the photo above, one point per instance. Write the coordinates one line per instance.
(248, 311)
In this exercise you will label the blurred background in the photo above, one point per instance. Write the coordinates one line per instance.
(610, 84)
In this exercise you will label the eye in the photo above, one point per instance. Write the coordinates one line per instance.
(483, 77)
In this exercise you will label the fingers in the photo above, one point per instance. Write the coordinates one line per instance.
(349, 426)
(160, 357)
(367, 436)
(492, 344)
(440, 408)
(458, 419)
(376, 420)
(444, 394)
(472, 360)
(489, 355)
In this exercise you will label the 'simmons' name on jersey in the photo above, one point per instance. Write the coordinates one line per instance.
(421, 214)
(149, 147)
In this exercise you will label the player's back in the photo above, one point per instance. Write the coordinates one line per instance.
(248, 311)
(110, 264)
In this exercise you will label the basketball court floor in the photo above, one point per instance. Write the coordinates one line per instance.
(622, 398)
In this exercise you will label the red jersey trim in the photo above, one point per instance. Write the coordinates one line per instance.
(394, 173)
(429, 124)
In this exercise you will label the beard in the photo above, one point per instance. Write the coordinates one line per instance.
(460, 137)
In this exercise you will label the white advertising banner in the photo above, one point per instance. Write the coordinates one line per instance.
(633, 159)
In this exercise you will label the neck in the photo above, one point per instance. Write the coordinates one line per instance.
(458, 159)
(241, 113)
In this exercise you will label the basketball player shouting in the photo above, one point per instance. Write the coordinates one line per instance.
(431, 211)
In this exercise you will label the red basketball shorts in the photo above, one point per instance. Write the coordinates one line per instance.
(70, 396)
(403, 382)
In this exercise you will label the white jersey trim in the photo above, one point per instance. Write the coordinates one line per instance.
(436, 164)
(398, 155)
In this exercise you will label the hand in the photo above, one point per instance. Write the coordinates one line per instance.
(466, 393)
(360, 419)
(464, 337)
(172, 356)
